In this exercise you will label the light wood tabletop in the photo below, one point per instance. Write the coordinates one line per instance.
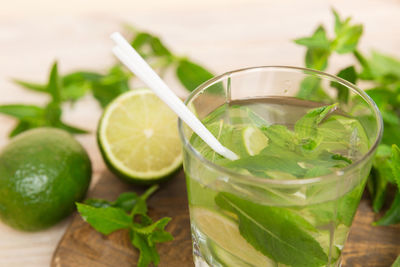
(223, 35)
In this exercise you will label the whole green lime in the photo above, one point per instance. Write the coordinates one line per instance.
(42, 173)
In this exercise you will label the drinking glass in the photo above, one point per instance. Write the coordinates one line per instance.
(276, 222)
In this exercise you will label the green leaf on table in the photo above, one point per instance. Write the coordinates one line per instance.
(191, 75)
(317, 40)
(111, 85)
(159, 49)
(21, 126)
(105, 220)
(22, 111)
(150, 229)
(54, 84)
(347, 35)
(128, 211)
(125, 201)
(318, 49)
(71, 129)
(31, 86)
(77, 84)
(145, 235)
(349, 74)
(148, 254)
(149, 45)
(275, 232)
(317, 58)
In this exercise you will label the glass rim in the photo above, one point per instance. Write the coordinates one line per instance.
(323, 178)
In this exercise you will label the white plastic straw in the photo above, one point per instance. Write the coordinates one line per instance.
(134, 62)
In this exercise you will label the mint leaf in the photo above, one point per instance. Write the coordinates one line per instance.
(274, 232)
(395, 164)
(71, 129)
(159, 49)
(349, 74)
(105, 220)
(307, 126)
(317, 58)
(281, 136)
(392, 216)
(318, 49)
(77, 84)
(140, 206)
(22, 111)
(144, 237)
(150, 229)
(381, 174)
(347, 36)
(149, 45)
(317, 40)
(125, 201)
(148, 253)
(111, 85)
(22, 126)
(54, 84)
(260, 163)
(31, 86)
(382, 65)
(128, 211)
(191, 74)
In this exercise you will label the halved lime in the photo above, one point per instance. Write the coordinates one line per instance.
(138, 137)
(254, 140)
(225, 234)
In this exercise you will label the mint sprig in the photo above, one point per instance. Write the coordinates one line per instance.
(31, 116)
(129, 211)
(275, 232)
(383, 74)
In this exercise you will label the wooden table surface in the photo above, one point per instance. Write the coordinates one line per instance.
(223, 35)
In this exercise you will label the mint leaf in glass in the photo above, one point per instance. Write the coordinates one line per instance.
(275, 232)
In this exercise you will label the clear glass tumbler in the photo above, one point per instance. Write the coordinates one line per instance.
(242, 219)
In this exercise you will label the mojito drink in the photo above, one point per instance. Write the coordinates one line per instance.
(257, 211)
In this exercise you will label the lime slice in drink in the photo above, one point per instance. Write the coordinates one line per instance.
(138, 138)
(225, 234)
(254, 140)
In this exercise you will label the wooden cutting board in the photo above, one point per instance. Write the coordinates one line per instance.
(81, 246)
